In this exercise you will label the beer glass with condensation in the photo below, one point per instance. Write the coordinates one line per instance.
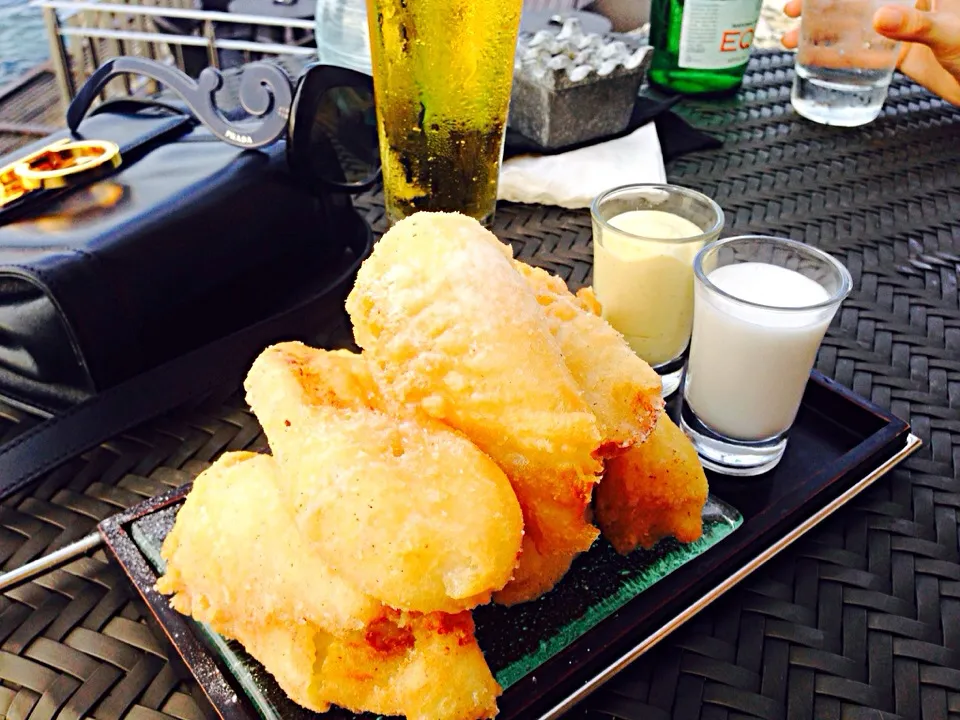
(442, 73)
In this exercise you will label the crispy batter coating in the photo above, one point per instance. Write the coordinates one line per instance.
(401, 505)
(536, 574)
(423, 667)
(292, 653)
(236, 561)
(235, 526)
(588, 300)
(623, 391)
(452, 328)
(656, 489)
(426, 667)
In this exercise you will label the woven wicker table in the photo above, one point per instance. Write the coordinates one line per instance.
(860, 620)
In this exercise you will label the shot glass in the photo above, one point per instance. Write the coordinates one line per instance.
(645, 238)
(843, 67)
(761, 308)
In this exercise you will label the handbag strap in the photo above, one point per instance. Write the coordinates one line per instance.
(52, 442)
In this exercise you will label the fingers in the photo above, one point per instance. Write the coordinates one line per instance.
(931, 51)
(935, 66)
(920, 64)
(791, 38)
(892, 21)
(938, 31)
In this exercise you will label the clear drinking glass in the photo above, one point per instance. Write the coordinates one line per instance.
(442, 74)
(761, 308)
(645, 237)
(342, 35)
(843, 67)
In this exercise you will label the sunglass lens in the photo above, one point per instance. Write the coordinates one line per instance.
(343, 137)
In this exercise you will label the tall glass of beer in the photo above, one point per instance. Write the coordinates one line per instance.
(442, 72)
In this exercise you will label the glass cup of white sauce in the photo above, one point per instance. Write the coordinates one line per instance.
(645, 237)
(761, 308)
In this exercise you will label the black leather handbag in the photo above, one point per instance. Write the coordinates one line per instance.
(144, 260)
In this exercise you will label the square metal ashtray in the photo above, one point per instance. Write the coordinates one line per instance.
(572, 87)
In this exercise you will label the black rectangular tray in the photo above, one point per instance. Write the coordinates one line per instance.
(839, 445)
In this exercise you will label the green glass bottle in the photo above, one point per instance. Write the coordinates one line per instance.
(701, 46)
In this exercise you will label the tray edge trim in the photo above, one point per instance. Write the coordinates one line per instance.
(912, 444)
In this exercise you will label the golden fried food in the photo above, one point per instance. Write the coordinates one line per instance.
(623, 391)
(235, 557)
(402, 506)
(453, 329)
(537, 574)
(236, 560)
(588, 300)
(656, 489)
(556, 531)
(290, 652)
(423, 667)
(426, 667)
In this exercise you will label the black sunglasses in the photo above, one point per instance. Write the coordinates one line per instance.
(327, 115)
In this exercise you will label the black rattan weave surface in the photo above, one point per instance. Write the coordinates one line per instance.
(860, 620)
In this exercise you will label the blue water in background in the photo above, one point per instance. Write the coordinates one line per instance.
(23, 41)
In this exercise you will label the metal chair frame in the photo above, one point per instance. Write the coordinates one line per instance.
(84, 33)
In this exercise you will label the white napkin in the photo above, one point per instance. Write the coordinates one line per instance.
(573, 179)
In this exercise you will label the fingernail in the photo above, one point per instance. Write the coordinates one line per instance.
(890, 19)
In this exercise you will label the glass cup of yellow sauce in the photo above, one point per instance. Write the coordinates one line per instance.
(645, 238)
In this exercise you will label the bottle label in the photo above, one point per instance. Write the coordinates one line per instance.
(717, 34)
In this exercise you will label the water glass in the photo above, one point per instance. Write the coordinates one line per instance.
(843, 67)
(761, 308)
(342, 35)
(645, 237)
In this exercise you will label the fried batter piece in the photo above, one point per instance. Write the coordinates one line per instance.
(292, 652)
(405, 508)
(656, 489)
(234, 525)
(426, 667)
(423, 667)
(236, 561)
(623, 391)
(536, 574)
(452, 328)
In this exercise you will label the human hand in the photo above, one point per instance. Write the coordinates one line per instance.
(930, 54)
